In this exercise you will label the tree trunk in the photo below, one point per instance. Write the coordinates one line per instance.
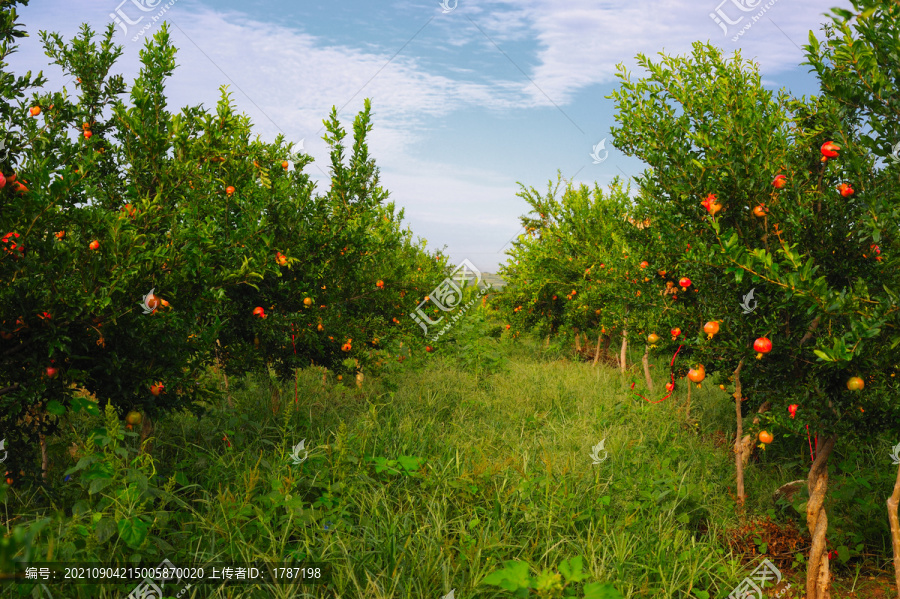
(577, 341)
(818, 578)
(547, 341)
(892, 503)
(597, 351)
(624, 348)
(738, 446)
(146, 431)
(646, 362)
(687, 414)
(747, 441)
(45, 460)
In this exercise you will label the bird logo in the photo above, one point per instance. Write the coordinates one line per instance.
(295, 455)
(5, 453)
(595, 452)
(447, 8)
(746, 303)
(450, 595)
(895, 155)
(597, 148)
(145, 304)
(895, 455)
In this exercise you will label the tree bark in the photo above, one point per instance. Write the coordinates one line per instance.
(45, 459)
(646, 361)
(624, 348)
(892, 503)
(577, 341)
(818, 577)
(146, 431)
(9, 389)
(738, 446)
(597, 351)
(747, 441)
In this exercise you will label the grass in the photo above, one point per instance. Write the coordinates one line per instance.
(426, 481)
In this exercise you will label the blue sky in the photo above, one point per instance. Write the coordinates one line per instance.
(468, 98)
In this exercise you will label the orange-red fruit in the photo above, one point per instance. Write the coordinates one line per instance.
(697, 374)
(765, 437)
(762, 345)
(684, 282)
(645, 264)
(35, 110)
(652, 338)
(156, 388)
(829, 149)
(94, 245)
(759, 211)
(670, 386)
(229, 190)
(675, 332)
(87, 134)
(52, 372)
(284, 164)
(779, 182)
(855, 383)
(258, 311)
(711, 328)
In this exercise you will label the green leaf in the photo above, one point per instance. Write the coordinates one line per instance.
(56, 408)
(133, 531)
(602, 590)
(823, 356)
(98, 484)
(512, 577)
(572, 569)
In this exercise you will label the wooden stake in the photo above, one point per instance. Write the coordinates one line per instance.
(738, 447)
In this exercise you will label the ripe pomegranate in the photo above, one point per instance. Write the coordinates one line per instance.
(792, 410)
(52, 372)
(652, 338)
(765, 437)
(855, 384)
(645, 264)
(829, 150)
(307, 302)
(759, 211)
(229, 190)
(779, 182)
(670, 387)
(684, 282)
(711, 328)
(94, 245)
(762, 346)
(697, 374)
(845, 190)
(675, 332)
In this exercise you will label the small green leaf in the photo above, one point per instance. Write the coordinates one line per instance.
(56, 408)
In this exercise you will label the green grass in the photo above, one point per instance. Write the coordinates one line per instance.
(431, 480)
